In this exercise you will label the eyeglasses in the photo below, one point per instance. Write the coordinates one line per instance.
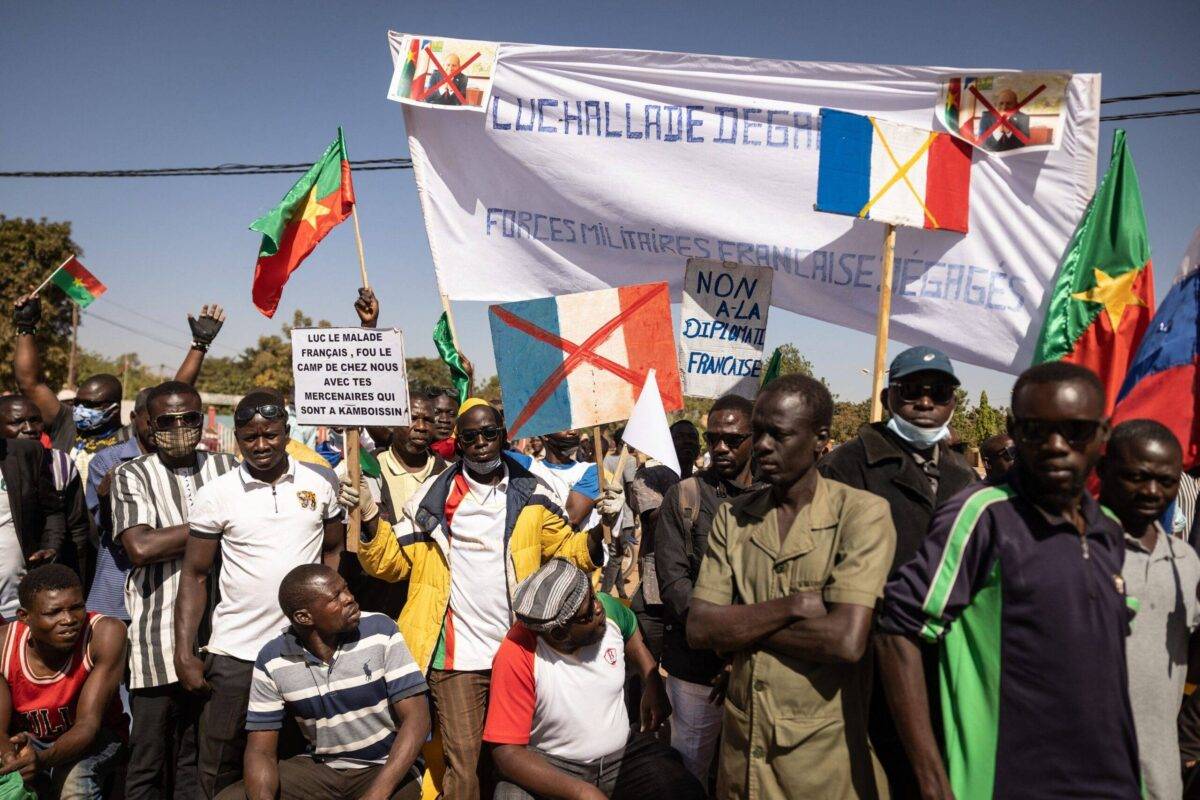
(185, 419)
(732, 440)
(939, 393)
(490, 433)
(267, 411)
(1076, 432)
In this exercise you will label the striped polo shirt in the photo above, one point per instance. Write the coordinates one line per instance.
(1030, 617)
(342, 707)
(147, 492)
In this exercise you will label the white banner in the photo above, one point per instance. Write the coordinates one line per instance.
(722, 327)
(350, 377)
(595, 167)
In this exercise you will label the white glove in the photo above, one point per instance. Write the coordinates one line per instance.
(611, 501)
(349, 498)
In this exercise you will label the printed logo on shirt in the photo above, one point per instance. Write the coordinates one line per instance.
(307, 499)
(610, 655)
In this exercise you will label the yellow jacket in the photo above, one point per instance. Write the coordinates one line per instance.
(416, 548)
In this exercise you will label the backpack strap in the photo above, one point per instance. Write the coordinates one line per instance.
(689, 508)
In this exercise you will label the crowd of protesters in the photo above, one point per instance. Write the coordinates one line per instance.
(784, 619)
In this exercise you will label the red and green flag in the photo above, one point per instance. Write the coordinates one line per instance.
(77, 282)
(319, 201)
(1103, 300)
(443, 340)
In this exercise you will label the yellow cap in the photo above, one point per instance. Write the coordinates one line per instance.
(472, 402)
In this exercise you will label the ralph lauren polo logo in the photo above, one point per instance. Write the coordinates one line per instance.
(307, 500)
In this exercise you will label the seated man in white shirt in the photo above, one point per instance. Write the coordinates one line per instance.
(557, 718)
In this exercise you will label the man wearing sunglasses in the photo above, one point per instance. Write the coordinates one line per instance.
(681, 537)
(557, 717)
(909, 461)
(464, 542)
(1139, 479)
(998, 454)
(152, 501)
(1021, 585)
(579, 477)
(267, 516)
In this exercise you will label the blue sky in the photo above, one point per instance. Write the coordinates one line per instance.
(122, 85)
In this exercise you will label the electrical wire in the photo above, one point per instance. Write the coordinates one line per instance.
(148, 318)
(377, 164)
(134, 331)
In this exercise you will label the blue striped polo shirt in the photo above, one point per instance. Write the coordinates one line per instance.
(342, 707)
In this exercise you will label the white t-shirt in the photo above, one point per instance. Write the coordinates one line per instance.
(478, 617)
(12, 558)
(265, 530)
(569, 705)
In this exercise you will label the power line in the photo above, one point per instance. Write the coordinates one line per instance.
(1178, 112)
(134, 331)
(1151, 96)
(394, 163)
(148, 318)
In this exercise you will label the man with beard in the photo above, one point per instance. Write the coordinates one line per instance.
(681, 537)
(579, 477)
(1139, 479)
(152, 498)
(464, 541)
(1021, 585)
(365, 721)
(93, 420)
(557, 717)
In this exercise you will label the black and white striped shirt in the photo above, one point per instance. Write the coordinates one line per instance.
(147, 492)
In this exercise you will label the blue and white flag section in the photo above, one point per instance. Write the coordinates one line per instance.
(875, 169)
(592, 168)
(722, 327)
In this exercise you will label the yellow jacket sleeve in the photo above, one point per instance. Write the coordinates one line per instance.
(383, 557)
(560, 540)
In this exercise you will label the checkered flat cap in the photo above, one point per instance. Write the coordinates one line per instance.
(550, 596)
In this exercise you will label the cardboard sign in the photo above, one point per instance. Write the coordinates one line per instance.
(349, 377)
(722, 327)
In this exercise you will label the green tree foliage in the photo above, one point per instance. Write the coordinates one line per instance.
(980, 422)
(134, 375)
(29, 252)
(848, 417)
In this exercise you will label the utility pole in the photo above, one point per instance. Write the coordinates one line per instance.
(74, 347)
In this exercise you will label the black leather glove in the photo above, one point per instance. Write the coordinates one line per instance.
(27, 315)
(206, 327)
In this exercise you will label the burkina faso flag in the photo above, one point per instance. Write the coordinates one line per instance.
(77, 282)
(319, 201)
(1103, 300)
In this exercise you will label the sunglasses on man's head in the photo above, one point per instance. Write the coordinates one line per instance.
(732, 440)
(939, 393)
(490, 433)
(267, 411)
(1076, 432)
(186, 419)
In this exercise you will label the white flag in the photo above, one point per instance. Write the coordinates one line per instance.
(647, 429)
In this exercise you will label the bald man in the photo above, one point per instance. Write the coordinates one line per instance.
(444, 95)
(1003, 137)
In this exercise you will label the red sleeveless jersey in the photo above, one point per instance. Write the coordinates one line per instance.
(44, 706)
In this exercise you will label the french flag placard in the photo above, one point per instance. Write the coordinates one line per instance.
(874, 169)
(578, 360)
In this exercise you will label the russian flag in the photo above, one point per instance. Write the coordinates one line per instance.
(578, 360)
(875, 169)
(1163, 381)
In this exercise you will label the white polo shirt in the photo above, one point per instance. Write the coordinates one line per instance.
(265, 530)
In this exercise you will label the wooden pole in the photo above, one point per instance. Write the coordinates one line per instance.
(353, 465)
(881, 322)
(50, 277)
(598, 452)
(450, 319)
(74, 346)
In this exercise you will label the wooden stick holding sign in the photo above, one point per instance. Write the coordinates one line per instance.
(598, 452)
(351, 454)
(883, 318)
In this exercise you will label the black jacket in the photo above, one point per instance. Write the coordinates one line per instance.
(877, 460)
(36, 507)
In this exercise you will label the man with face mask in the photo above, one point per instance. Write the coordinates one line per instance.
(908, 462)
(152, 498)
(1019, 585)
(557, 716)
(107, 594)
(464, 541)
(93, 421)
